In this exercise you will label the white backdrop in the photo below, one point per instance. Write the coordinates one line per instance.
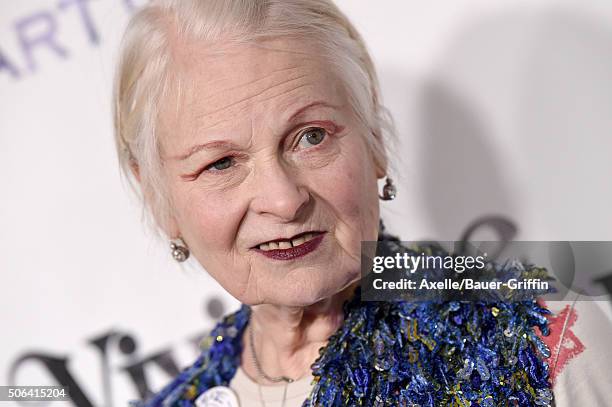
(503, 107)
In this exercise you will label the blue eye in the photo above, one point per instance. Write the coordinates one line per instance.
(312, 137)
(221, 164)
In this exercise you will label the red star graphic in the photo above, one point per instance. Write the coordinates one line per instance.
(564, 345)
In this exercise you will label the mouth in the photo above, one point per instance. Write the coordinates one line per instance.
(288, 249)
(283, 244)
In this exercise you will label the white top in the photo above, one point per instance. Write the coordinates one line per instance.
(579, 364)
(250, 396)
(580, 352)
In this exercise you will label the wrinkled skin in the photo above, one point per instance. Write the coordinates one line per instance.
(256, 177)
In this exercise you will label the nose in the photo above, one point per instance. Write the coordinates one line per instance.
(278, 194)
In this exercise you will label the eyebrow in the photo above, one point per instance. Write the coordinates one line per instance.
(310, 106)
(219, 144)
(215, 144)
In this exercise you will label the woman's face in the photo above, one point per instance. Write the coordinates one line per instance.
(272, 184)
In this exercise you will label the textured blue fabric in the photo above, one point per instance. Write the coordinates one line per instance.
(446, 353)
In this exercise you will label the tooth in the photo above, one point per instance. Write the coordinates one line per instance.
(273, 245)
(264, 246)
(308, 236)
(298, 241)
(284, 245)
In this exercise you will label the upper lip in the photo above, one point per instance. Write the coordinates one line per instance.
(287, 238)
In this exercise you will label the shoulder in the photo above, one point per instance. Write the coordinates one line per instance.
(215, 366)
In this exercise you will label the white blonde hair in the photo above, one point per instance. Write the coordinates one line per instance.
(143, 75)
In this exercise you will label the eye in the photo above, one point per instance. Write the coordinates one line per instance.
(311, 137)
(220, 165)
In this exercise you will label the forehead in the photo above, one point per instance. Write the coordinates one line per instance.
(221, 85)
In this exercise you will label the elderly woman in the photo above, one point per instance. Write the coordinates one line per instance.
(256, 134)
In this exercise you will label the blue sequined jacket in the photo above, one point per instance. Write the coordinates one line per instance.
(444, 353)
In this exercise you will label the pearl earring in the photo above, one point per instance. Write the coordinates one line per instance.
(179, 250)
(389, 191)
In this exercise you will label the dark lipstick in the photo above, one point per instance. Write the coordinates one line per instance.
(294, 252)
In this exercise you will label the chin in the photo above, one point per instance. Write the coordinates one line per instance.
(304, 295)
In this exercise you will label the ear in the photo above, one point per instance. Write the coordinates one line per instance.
(171, 228)
(167, 223)
(381, 168)
(164, 217)
(379, 156)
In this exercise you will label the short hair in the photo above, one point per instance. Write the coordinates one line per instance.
(143, 77)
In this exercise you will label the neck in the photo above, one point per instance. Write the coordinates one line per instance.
(287, 339)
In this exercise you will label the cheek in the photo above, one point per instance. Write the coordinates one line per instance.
(207, 224)
(351, 191)
(345, 192)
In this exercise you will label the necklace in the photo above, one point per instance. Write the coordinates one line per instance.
(263, 374)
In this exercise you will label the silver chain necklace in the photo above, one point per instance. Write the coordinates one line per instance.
(263, 374)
